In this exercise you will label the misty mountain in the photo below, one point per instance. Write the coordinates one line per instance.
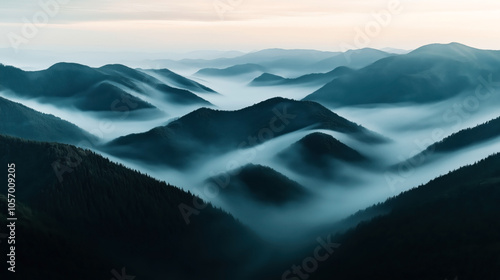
(318, 154)
(262, 184)
(428, 74)
(295, 61)
(316, 146)
(91, 216)
(207, 131)
(272, 59)
(267, 79)
(104, 97)
(463, 139)
(90, 89)
(444, 229)
(352, 58)
(179, 81)
(232, 71)
(20, 121)
(70, 85)
(171, 94)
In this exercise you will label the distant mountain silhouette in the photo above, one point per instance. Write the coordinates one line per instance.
(273, 59)
(446, 228)
(103, 216)
(296, 61)
(232, 71)
(353, 59)
(206, 131)
(267, 79)
(317, 153)
(20, 121)
(428, 74)
(263, 184)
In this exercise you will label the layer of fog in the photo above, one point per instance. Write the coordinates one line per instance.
(411, 128)
(116, 122)
(33, 60)
(331, 201)
(236, 94)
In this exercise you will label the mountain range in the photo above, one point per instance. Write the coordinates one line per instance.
(207, 131)
(102, 216)
(275, 164)
(429, 74)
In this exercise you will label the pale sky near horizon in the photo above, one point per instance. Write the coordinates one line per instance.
(167, 25)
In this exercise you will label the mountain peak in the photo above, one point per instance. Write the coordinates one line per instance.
(64, 66)
(451, 49)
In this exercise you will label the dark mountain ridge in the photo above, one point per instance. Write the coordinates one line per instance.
(205, 131)
(109, 217)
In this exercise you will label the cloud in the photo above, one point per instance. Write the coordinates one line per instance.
(252, 24)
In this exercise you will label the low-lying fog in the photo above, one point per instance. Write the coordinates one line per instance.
(410, 127)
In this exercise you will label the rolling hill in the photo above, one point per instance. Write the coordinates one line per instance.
(235, 70)
(91, 89)
(103, 216)
(429, 74)
(318, 154)
(267, 79)
(352, 58)
(20, 121)
(179, 81)
(262, 184)
(444, 229)
(461, 140)
(144, 83)
(206, 131)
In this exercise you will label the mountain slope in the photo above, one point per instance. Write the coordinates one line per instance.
(232, 71)
(20, 121)
(463, 139)
(172, 94)
(318, 153)
(206, 131)
(116, 216)
(446, 228)
(262, 184)
(352, 58)
(91, 89)
(180, 81)
(267, 79)
(431, 73)
(318, 145)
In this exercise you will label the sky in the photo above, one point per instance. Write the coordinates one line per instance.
(245, 25)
